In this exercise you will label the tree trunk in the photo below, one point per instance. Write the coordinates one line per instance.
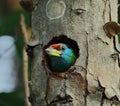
(96, 78)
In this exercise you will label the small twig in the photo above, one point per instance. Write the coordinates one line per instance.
(25, 61)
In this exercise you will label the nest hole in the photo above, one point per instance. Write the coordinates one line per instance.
(63, 39)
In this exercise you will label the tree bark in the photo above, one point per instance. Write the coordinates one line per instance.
(96, 78)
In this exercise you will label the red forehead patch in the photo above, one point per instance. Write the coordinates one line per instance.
(56, 46)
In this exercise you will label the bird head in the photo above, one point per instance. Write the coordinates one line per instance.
(61, 50)
(61, 56)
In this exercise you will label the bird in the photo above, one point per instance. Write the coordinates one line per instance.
(60, 57)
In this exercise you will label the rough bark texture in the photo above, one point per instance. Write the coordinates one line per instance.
(96, 79)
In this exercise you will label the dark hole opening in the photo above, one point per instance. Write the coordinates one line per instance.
(72, 44)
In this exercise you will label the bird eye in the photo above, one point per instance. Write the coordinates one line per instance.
(62, 48)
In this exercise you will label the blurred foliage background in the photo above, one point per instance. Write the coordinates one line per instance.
(10, 11)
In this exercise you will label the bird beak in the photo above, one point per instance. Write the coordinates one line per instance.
(53, 52)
